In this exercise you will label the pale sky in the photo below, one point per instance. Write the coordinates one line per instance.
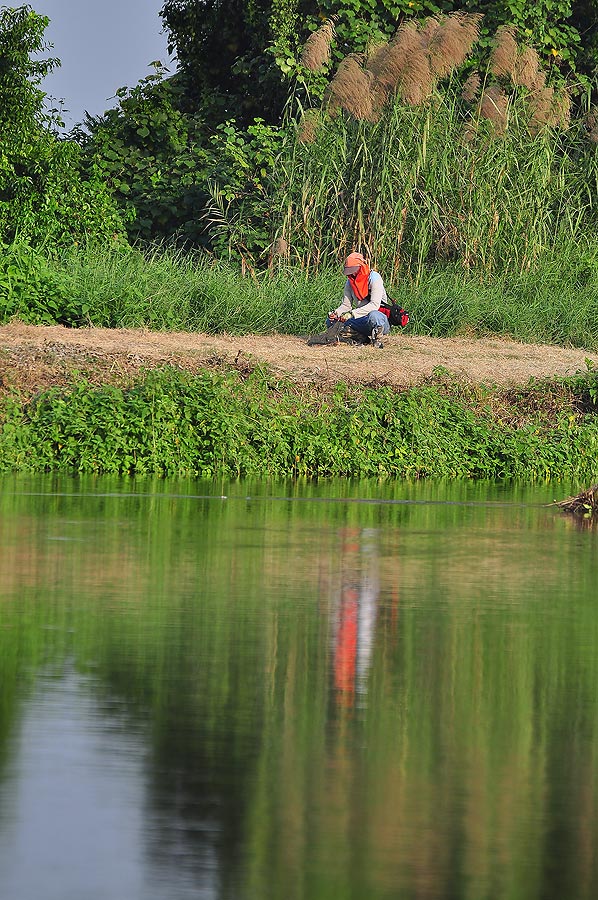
(103, 45)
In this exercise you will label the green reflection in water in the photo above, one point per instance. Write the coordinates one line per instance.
(361, 699)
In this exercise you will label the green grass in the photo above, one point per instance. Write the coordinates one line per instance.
(554, 301)
(166, 289)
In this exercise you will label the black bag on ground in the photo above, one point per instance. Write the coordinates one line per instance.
(330, 336)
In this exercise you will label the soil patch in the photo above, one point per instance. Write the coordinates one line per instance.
(33, 358)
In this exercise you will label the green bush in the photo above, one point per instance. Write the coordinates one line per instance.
(32, 292)
(173, 423)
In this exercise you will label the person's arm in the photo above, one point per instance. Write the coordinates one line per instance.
(377, 295)
(347, 304)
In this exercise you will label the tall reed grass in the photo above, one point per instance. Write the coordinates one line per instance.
(432, 183)
(415, 160)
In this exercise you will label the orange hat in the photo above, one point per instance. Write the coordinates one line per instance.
(353, 263)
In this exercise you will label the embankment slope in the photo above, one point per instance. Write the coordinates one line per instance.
(33, 358)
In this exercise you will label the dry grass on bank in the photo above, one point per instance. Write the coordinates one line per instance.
(33, 358)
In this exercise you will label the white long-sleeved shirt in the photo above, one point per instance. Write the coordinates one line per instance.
(377, 294)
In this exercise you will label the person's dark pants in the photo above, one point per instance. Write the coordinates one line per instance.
(365, 324)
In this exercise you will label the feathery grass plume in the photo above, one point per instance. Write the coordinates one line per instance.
(350, 88)
(389, 66)
(308, 126)
(428, 30)
(562, 109)
(278, 250)
(471, 88)
(549, 108)
(375, 57)
(406, 67)
(592, 125)
(527, 68)
(374, 63)
(316, 50)
(540, 104)
(417, 80)
(452, 42)
(504, 53)
(493, 107)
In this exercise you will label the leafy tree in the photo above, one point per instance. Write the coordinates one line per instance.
(21, 99)
(160, 162)
(238, 53)
(152, 157)
(43, 197)
(231, 52)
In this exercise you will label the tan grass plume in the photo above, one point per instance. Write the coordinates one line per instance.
(417, 80)
(405, 67)
(392, 62)
(541, 108)
(504, 53)
(452, 42)
(375, 58)
(308, 126)
(316, 50)
(428, 30)
(493, 107)
(549, 108)
(592, 125)
(527, 69)
(350, 89)
(279, 248)
(471, 88)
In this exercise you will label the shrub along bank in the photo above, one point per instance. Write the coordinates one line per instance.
(172, 423)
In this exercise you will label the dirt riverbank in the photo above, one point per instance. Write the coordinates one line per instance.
(33, 358)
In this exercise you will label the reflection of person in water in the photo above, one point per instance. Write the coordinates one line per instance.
(355, 613)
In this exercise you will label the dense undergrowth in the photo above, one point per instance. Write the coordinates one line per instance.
(171, 423)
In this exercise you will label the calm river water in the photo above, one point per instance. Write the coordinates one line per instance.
(348, 691)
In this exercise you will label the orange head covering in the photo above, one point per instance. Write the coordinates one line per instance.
(358, 273)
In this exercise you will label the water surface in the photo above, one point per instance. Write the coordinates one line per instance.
(302, 691)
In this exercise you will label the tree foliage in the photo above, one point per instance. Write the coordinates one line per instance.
(21, 99)
(238, 53)
(151, 156)
(43, 196)
(229, 52)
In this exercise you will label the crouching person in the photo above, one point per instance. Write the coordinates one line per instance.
(363, 295)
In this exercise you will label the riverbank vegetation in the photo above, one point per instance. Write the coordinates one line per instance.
(173, 423)
(118, 286)
(458, 151)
